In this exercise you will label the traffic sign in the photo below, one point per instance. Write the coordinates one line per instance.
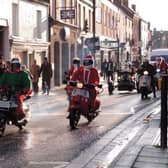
(93, 43)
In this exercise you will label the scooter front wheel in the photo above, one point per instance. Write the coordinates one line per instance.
(73, 119)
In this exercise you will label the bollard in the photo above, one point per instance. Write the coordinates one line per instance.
(163, 140)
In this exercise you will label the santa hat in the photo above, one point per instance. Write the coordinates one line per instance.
(88, 57)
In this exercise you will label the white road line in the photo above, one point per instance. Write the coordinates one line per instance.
(54, 163)
(109, 158)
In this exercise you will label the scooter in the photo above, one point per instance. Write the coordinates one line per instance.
(80, 104)
(145, 85)
(8, 115)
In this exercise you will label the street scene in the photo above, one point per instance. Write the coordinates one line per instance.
(83, 84)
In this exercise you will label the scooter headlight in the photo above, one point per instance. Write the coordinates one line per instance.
(4, 98)
(146, 72)
(158, 70)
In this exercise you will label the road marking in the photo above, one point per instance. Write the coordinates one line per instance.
(48, 114)
(115, 113)
(54, 163)
(109, 158)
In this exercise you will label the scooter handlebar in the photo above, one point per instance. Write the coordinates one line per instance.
(90, 86)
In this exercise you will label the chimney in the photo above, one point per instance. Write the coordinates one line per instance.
(133, 6)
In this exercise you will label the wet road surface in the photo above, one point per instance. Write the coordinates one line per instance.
(47, 140)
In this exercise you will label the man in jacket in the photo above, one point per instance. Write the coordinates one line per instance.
(46, 71)
(17, 82)
(35, 71)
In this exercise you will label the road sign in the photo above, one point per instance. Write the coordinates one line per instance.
(67, 14)
(93, 43)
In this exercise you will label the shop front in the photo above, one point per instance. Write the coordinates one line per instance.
(63, 49)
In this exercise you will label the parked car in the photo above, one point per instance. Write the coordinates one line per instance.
(126, 81)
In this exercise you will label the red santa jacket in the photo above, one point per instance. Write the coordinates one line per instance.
(162, 66)
(86, 76)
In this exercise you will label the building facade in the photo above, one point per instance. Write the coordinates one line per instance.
(135, 50)
(144, 39)
(67, 21)
(24, 30)
(107, 31)
(159, 39)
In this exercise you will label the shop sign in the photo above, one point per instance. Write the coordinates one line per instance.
(67, 14)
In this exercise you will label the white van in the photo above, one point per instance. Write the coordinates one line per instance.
(159, 53)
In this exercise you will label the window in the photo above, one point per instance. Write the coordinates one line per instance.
(38, 33)
(62, 3)
(84, 13)
(15, 19)
(79, 15)
(90, 16)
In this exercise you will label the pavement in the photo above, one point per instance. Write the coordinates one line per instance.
(145, 152)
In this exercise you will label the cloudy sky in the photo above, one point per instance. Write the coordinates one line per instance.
(154, 11)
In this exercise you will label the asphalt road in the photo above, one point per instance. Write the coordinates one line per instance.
(47, 141)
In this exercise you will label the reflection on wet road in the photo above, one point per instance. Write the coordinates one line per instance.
(47, 140)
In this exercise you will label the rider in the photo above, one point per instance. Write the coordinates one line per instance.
(163, 66)
(87, 74)
(146, 66)
(75, 66)
(18, 80)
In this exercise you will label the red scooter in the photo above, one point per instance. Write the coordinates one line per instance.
(8, 110)
(80, 103)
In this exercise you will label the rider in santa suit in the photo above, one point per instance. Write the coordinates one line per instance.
(88, 74)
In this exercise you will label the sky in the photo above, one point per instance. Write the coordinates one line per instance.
(153, 11)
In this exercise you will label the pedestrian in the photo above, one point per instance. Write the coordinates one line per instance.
(2, 68)
(35, 71)
(25, 69)
(110, 69)
(104, 69)
(46, 71)
(7, 65)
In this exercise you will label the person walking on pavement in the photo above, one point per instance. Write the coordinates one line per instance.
(7, 65)
(46, 71)
(35, 71)
(2, 68)
(110, 70)
(104, 69)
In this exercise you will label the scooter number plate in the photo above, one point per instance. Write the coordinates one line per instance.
(80, 92)
(7, 104)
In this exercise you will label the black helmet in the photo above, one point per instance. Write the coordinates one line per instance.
(15, 61)
(76, 60)
(15, 64)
